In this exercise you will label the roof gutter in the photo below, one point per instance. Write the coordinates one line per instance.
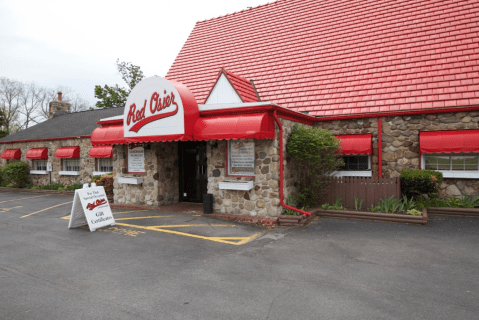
(397, 113)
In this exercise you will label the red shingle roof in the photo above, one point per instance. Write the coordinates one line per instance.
(242, 86)
(335, 57)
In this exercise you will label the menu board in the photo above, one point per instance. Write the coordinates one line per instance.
(241, 157)
(136, 159)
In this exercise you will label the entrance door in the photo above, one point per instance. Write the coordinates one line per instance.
(193, 171)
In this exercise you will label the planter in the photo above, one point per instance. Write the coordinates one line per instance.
(373, 216)
(290, 220)
(453, 212)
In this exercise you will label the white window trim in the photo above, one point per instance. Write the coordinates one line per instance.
(368, 173)
(38, 172)
(97, 165)
(450, 173)
(99, 173)
(363, 173)
(69, 173)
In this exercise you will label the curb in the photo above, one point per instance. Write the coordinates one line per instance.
(453, 212)
(66, 193)
(373, 216)
(298, 221)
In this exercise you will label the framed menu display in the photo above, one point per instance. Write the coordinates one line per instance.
(136, 158)
(241, 157)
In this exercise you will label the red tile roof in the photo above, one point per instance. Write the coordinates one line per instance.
(335, 57)
(243, 87)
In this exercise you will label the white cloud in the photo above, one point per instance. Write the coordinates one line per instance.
(76, 43)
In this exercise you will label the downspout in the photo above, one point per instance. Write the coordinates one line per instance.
(380, 148)
(281, 169)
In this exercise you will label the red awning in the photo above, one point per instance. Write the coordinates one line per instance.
(248, 126)
(11, 154)
(356, 143)
(101, 152)
(39, 153)
(108, 135)
(457, 141)
(68, 152)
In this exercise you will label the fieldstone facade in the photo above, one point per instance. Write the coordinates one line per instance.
(87, 164)
(160, 182)
(400, 143)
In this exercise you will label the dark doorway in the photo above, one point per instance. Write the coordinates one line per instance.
(193, 171)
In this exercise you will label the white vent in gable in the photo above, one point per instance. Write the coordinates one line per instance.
(223, 92)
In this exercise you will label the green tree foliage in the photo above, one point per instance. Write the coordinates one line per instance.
(16, 174)
(415, 182)
(3, 125)
(114, 96)
(314, 154)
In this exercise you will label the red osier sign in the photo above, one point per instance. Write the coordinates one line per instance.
(93, 205)
(156, 104)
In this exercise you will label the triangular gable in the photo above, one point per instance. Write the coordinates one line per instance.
(231, 88)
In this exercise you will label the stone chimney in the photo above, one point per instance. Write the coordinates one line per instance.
(58, 106)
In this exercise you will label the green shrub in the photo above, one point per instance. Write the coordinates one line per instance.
(51, 186)
(35, 187)
(16, 174)
(415, 182)
(314, 155)
(74, 186)
(61, 189)
(414, 212)
(305, 199)
(290, 212)
(423, 202)
(338, 205)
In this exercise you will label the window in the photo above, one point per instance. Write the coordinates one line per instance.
(241, 158)
(355, 163)
(465, 165)
(104, 164)
(40, 164)
(71, 164)
(355, 166)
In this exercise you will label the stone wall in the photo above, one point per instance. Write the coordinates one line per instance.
(356, 126)
(160, 183)
(400, 143)
(263, 199)
(87, 164)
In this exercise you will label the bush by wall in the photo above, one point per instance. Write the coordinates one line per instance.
(314, 154)
(15, 174)
(107, 182)
(415, 182)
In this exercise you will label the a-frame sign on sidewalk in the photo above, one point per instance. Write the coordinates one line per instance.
(90, 206)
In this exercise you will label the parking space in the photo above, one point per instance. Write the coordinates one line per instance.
(131, 222)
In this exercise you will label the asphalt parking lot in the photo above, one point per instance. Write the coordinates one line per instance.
(177, 265)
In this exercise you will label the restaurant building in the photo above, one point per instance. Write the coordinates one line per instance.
(396, 81)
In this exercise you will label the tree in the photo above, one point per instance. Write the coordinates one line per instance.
(26, 104)
(315, 156)
(3, 129)
(111, 97)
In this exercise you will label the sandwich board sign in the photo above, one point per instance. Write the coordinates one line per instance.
(90, 206)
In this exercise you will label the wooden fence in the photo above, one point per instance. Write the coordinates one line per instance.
(369, 189)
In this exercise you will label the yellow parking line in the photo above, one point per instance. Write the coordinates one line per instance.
(243, 240)
(61, 204)
(194, 225)
(149, 217)
(47, 195)
(129, 211)
(8, 209)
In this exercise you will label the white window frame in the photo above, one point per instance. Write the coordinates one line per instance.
(97, 164)
(359, 173)
(466, 174)
(65, 166)
(38, 167)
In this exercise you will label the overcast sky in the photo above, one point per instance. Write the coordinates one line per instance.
(76, 43)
